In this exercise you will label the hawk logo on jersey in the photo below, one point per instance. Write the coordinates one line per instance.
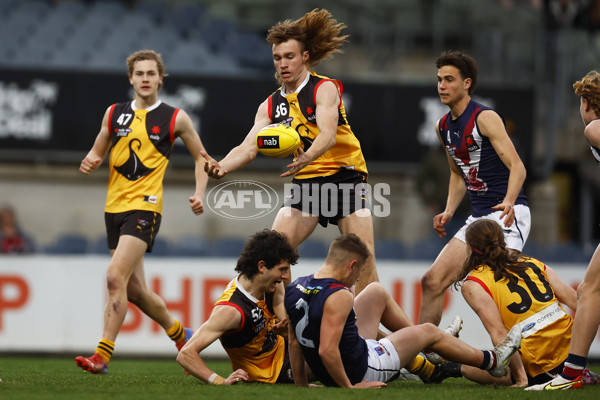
(471, 143)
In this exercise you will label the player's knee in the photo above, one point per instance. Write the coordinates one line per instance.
(114, 282)
(430, 283)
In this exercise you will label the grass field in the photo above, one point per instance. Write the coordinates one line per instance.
(131, 379)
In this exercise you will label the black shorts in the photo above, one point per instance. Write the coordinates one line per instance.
(141, 224)
(331, 198)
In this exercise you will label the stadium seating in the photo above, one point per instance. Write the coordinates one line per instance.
(313, 248)
(68, 243)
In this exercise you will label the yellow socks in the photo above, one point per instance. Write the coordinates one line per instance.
(176, 332)
(421, 367)
(105, 349)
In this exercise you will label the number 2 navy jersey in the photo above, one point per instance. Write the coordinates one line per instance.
(304, 302)
(530, 302)
(485, 175)
(142, 141)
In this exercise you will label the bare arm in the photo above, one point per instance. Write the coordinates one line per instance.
(327, 114)
(484, 306)
(456, 192)
(281, 328)
(100, 148)
(592, 133)
(492, 127)
(185, 130)
(222, 319)
(335, 312)
(242, 154)
(563, 291)
(296, 359)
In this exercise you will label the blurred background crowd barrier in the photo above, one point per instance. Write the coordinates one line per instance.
(62, 63)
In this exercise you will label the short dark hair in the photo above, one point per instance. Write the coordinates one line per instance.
(466, 65)
(269, 246)
(348, 244)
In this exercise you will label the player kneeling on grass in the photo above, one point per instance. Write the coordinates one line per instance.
(341, 349)
(505, 289)
(248, 317)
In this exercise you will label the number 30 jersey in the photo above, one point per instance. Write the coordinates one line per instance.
(531, 303)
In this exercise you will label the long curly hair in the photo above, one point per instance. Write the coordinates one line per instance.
(317, 31)
(269, 246)
(589, 88)
(485, 238)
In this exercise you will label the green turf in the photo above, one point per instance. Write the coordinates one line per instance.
(59, 378)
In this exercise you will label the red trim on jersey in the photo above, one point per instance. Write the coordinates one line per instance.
(444, 123)
(110, 113)
(337, 83)
(228, 303)
(172, 125)
(338, 285)
(270, 107)
(483, 285)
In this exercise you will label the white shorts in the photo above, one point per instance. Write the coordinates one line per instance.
(514, 235)
(384, 363)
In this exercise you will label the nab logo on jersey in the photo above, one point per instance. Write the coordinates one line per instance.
(471, 143)
(268, 142)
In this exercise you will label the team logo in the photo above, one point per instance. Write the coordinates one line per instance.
(122, 132)
(268, 142)
(242, 200)
(151, 199)
(471, 143)
(379, 350)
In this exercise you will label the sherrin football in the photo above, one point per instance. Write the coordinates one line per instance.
(277, 140)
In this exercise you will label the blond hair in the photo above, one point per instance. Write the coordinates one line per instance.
(142, 55)
(589, 88)
(317, 31)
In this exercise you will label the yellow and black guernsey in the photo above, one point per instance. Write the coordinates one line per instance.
(142, 142)
(528, 300)
(254, 346)
(299, 111)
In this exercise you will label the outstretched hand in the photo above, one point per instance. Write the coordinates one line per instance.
(369, 385)
(212, 167)
(300, 162)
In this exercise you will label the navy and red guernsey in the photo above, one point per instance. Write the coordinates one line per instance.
(484, 173)
(304, 302)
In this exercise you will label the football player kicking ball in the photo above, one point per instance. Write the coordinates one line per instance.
(341, 349)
